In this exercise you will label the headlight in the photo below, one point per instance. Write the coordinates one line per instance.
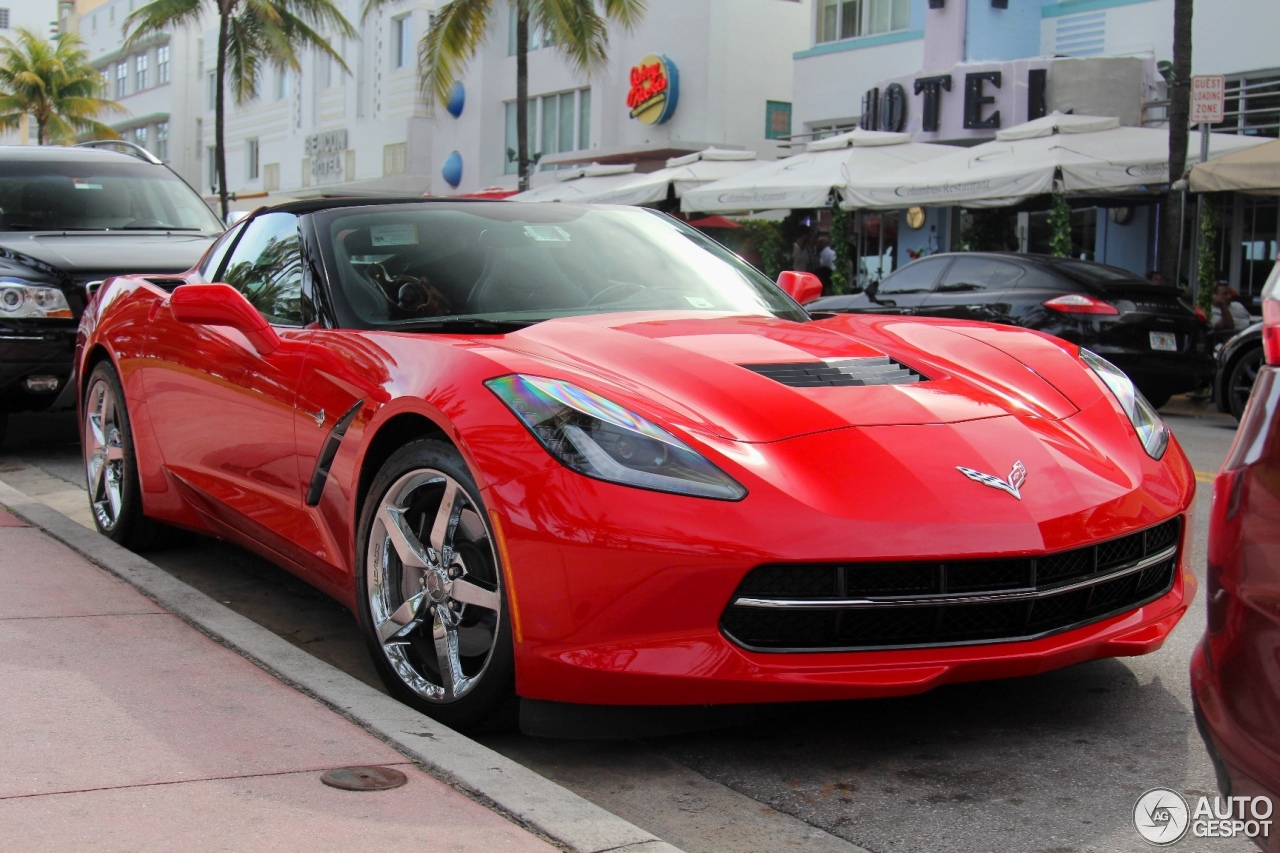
(600, 439)
(1151, 430)
(20, 299)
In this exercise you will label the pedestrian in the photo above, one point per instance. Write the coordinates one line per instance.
(1228, 314)
(802, 255)
(826, 264)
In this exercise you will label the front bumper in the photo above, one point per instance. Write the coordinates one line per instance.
(46, 348)
(617, 594)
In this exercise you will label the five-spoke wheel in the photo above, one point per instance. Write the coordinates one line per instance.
(431, 588)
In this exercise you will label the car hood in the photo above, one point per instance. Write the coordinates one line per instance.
(736, 377)
(106, 253)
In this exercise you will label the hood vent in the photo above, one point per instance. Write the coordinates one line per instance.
(880, 370)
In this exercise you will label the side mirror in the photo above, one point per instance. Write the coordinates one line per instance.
(223, 305)
(801, 286)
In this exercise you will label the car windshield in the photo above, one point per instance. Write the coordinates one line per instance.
(91, 194)
(433, 265)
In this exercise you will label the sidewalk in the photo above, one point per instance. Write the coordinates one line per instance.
(123, 727)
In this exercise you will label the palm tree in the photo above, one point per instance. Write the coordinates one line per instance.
(1179, 122)
(251, 34)
(578, 28)
(53, 82)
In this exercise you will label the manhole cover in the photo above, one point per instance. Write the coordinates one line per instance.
(364, 778)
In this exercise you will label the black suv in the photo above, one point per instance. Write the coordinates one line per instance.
(1143, 328)
(69, 217)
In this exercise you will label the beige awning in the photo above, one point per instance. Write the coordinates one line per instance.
(1254, 170)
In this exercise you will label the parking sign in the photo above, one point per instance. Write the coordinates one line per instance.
(1208, 94)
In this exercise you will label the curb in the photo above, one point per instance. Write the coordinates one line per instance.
(531, 801)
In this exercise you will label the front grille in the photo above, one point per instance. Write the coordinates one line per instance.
(876, 370)
(855, 606)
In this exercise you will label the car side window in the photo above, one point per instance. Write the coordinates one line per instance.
(971, 274)
(213, 258)
(917, 277)
(266, 266)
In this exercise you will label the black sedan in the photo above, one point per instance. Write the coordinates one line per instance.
(1143, 328)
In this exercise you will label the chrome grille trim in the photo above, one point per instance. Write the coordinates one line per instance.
(934, 601)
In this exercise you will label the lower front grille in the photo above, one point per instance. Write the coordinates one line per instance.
(860, 606)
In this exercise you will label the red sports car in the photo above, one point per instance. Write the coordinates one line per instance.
(1235, 672)
(587, 455)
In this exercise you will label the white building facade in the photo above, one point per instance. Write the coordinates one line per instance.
(326, 131)
(156, 81)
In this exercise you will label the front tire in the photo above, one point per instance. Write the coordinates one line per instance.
(429, 582)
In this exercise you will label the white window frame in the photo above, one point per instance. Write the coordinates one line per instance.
(540, 106)
(162, 64)
(122, 78)
(402, 38)
(252, 159)
(162, 140)
(872, 17)
(140, 72)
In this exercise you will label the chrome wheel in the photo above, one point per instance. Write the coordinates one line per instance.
(432, 585)
(104, 453)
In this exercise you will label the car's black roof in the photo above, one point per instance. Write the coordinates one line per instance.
(311, 205)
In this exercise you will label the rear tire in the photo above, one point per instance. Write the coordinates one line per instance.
(1244, 372)
(1157, 398)
(111, 467)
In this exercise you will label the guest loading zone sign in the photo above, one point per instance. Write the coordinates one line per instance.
(654, 90)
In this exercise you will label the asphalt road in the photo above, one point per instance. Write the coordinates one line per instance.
(1052, 763)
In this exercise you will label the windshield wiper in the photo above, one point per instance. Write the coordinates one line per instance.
(155, 228)
(463, 324)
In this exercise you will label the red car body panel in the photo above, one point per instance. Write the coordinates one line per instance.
(1235, 672)
(615, 592)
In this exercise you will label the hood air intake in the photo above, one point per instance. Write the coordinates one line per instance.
(876, 370)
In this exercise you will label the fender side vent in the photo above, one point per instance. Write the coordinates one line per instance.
(876, 370)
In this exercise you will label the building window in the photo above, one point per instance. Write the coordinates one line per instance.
(282, 85)
(1253, 105)
(537, 39)
(402, 38)
(93, 23)
(162, 64)
(213, 168)
(162, 140)
(846, 19)
(122, 79)
(777, 119)
(211, 90)
(557, 123)
(140, 136)
(4, 19)
(140, 71)
(251, 158)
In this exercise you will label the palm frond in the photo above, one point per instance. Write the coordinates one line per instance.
(159, 16)
(577, 29)
(450, 43)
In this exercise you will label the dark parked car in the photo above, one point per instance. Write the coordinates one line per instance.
(1235, 672)
(68, 217)
(1142, 328)
(1238, 363)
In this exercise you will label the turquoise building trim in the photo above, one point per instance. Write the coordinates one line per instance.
(859, 43)
(1070, 7)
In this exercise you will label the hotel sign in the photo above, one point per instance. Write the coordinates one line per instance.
(326, 151)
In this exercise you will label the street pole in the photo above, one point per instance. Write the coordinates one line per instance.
(1199, 244)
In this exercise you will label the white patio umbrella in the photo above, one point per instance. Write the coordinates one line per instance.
(574, 184)
(682, 174)
(807, 180)
(1090, 154)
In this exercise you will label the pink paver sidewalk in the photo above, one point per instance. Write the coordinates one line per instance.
(124, 728)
